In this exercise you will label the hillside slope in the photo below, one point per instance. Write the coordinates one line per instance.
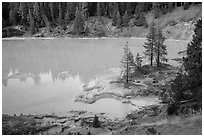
(177, 24)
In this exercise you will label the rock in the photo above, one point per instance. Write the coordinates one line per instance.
(134, 122)
(138, 81)
(11, 31)
(151, 131)
(128, 97)
(155, 81)
(126, 101)
(153, 113)
(39, 35)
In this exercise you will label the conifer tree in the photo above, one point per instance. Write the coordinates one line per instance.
(193, 62)
(160, 48)
(137, 13)
(36, 15)
(44, 16)
(96, 122)
(127, 63)
(125, 19)
(188, 86)
(151, 41)
(13, 12)
(78, 22)
(23, 12)
(60, 14)
(118, 20)
(138, 60)
(114, 20)
(98, 10)
(85, 10)
(31, 22)
(67, 18)
(186, 5)
(51, 7)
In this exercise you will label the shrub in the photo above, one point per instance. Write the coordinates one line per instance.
(172, 109)
(96, 122)
(140, 21)
(87, 31)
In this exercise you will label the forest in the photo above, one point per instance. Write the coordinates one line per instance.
(35, 15)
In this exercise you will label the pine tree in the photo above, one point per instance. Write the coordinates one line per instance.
(31, 21)
(13, 12)
(188, 86)
(114, 19)
(137, 12)
(85, 10)
(60, 14)
(98, 10)
(96, 122)
(118, 20)
(78, 22)
(156, 9)
(36, 15)
(125, 19)
(3, 22)
(151, 41)
(67, 18)
(160, 48)
(193, 62)
(44, 16)
(127, 63)
(138, 60)
(186, 5)
(170, 6)
(51, 7)
(23, 12)
(113, 9)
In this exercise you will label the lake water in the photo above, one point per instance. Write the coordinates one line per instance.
(85, 59)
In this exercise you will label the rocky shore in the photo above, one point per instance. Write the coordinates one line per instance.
(111, 87)
(151, 119)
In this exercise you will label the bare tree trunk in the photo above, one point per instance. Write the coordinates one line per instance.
(52, 10)
(151, 56)
(32, 26)
(127, 72)
(158, 57)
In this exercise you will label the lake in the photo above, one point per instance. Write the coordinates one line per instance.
(47, 91)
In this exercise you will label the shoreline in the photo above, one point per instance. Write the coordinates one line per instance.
(90, 38)
(111, 87)
(81, 122)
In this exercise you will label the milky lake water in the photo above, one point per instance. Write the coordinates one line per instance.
(85, 59)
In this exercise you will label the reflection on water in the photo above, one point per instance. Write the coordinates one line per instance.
(27, 97)
(50, 88)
